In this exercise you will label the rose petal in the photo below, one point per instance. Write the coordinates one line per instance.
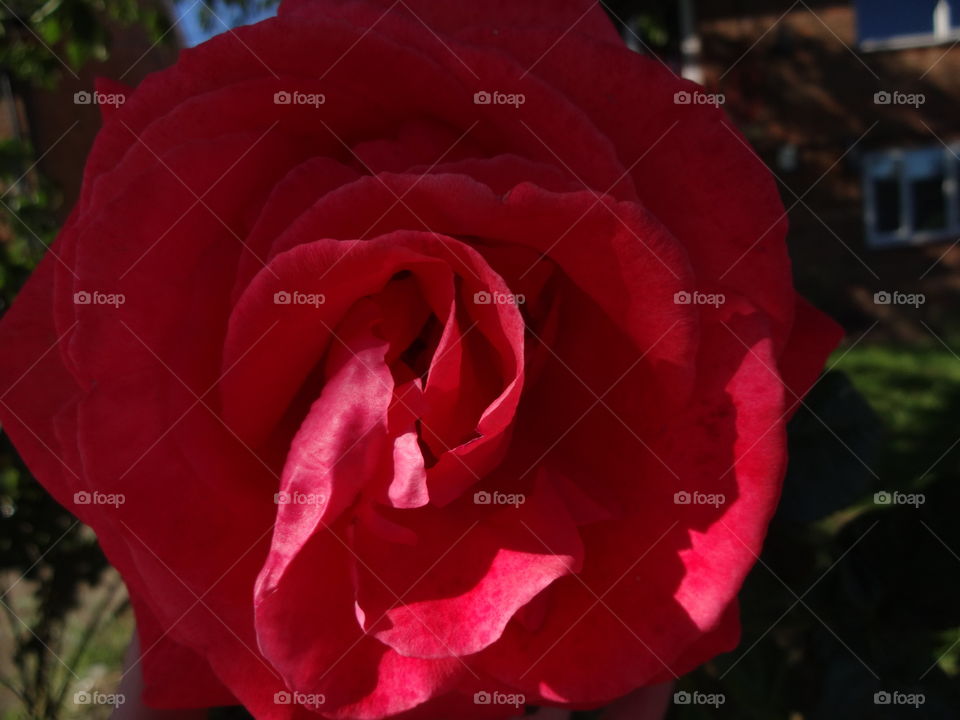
(472, 579)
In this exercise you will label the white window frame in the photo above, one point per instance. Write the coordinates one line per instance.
(905, 235)
(940, 32)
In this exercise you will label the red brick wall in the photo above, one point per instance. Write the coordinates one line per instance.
(797, 76)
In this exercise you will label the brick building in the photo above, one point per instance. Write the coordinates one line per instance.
(855, 106)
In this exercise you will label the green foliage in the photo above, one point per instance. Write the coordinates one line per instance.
(54, 598)
(27, 218)
(652, 23)
(76, 29)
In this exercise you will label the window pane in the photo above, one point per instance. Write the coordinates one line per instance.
(926, 173)
(929, 205)
(882, 19)
(886, 196)
(883, 171)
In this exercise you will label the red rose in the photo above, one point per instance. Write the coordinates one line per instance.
(419, 358)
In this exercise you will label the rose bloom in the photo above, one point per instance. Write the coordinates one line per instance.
(418, 360)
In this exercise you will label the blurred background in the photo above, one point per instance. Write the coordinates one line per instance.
(854, 609)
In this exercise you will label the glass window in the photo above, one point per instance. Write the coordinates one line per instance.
(886, 195)
(911, 196)
(926, 177)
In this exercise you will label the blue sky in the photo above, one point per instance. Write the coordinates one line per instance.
(189, 13)
(879, 19)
